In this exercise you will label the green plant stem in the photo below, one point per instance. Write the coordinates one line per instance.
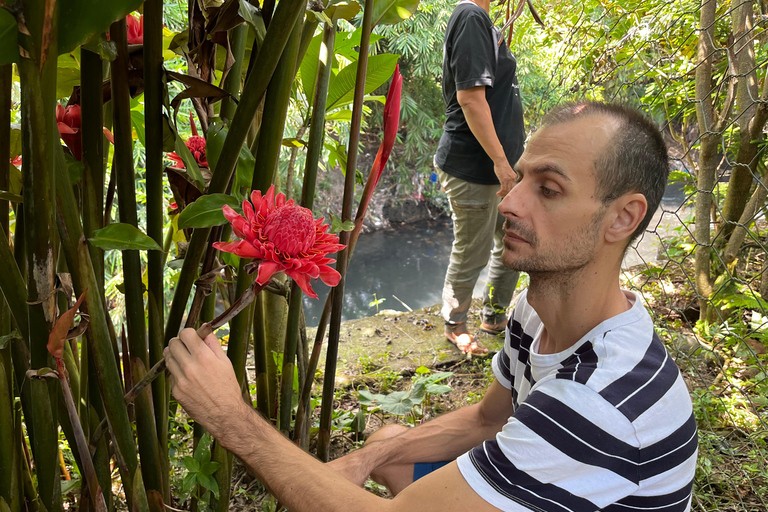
(260, 357)
(81, 445)
(153, 118)
(237, 39)
(39, 138)
(253, 92)
(324, 434)
(134, 297)
(13, 288)
(267, 156)
(92, 112)
(75, 249)
(275, 111)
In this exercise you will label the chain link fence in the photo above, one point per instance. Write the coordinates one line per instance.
(699, 69)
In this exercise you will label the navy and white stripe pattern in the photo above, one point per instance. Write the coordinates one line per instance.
(605, 425)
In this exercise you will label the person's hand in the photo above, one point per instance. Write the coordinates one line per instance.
(203, 380)
(506, 175)
(355, 467)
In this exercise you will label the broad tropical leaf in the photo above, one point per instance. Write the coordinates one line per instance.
(390, 12)
(123, 237)
(342, 89)
(206, 211)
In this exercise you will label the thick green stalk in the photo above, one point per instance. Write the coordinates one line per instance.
(37, 75)
(9, 470)
(253, 91)
(237, 37)
(267, 156)
(324, 435)
(260, 356)
(75, 249)
(153, 118)
(12, 287)
(314, 149)
(91, 103)
(134, 299)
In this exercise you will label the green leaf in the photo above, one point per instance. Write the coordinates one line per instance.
(367, 398)
(83, 19)
(206, 211)
(69, 486)
(209, 483)
(391, 12)
(209, 468)
(122, 237)
(67, 73)
(337, 225)
(191, 464)
(342, 89)
(14, 198)
(15, 140)
(217, 133)
(189, 162)
(9, 338)
(348, 42)
(137, 120)
(397, 403)
(75, 167)
(9, 38)
(252, 17)
(190, 479)
(438, 389)
(340, 9)
(340, 115)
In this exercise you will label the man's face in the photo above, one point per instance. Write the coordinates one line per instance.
(553, 218)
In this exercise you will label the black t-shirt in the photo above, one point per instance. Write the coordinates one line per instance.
(472, 56)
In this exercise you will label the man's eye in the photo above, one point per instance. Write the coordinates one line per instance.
(548, 192)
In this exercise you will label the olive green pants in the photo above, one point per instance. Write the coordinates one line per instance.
(477, 238)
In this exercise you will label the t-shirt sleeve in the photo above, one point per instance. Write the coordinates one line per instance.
(565, 448)
(473, 55)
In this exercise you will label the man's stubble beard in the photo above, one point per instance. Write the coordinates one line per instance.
(554, 269)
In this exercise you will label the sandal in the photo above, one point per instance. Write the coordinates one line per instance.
(467, 343)
(494, 329)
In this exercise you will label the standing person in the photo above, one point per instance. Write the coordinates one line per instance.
(483, 136)
(588, 410)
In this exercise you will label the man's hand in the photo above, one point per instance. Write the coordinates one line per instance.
(506, 175)
(203, 380)
(355, 467)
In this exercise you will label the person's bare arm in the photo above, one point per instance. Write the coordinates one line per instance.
(443, 438)
(478, 116)
(205, 385)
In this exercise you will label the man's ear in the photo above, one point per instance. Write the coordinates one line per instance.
(628, 211)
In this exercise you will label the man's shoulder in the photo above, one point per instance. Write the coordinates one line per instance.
(466, 12)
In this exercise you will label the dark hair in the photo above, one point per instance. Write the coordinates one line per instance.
(635, 159)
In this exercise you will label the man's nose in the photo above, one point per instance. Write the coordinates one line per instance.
(512, 204)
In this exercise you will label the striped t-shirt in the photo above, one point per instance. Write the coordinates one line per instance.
(605, 425)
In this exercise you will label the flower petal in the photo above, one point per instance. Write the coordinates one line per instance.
(266, 269)
(241, 248)
(303, 281)
(329, 275)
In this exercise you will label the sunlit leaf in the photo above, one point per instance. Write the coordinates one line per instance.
(390, 12)
(342, 88)
(206, 211)
(123, 237)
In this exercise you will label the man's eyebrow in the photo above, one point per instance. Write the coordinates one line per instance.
(546, 168)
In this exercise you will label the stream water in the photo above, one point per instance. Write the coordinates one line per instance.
(406, 266)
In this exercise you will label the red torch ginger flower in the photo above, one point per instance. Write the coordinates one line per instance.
(68, 120)
(285, 237)
(196, 146)
(135, 29)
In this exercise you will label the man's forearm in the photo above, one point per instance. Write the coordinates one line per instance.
(300, 482)
(443, 438)
(478, 116)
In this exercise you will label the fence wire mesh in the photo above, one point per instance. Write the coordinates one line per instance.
(699, 69)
